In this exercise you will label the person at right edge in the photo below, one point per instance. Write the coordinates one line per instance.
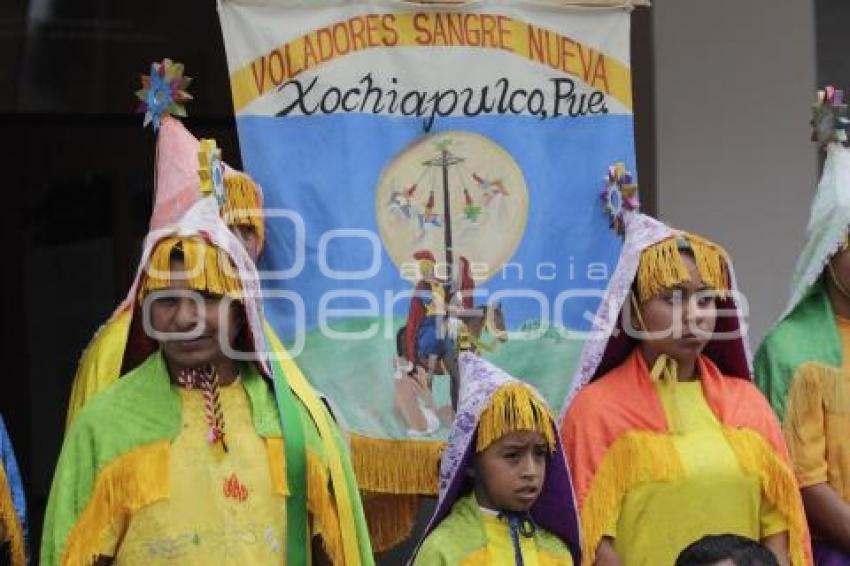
(803, 365)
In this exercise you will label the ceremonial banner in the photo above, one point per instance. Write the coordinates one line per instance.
(436, 179)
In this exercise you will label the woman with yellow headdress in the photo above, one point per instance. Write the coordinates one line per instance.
(667, 438)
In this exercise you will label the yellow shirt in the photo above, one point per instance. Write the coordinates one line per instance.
(817, 421)
(224, 508)
(500, 547)
(658, 520)
(473, 536)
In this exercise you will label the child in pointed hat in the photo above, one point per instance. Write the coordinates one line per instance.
(505, 490)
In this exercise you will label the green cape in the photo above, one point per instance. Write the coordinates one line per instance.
(807, 330)
(808, 333)
(142, 408)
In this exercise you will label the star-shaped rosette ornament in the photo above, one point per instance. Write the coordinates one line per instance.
(163, 92)
(211, 170)
(830, 120)
(620, 196)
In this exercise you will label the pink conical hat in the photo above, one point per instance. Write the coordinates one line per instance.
(178, 186)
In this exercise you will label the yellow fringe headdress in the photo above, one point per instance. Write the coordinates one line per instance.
(243, 205)
(514, 407)
(661, 265)
(207, 267)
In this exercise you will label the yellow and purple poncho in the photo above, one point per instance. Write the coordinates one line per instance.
(492, 403)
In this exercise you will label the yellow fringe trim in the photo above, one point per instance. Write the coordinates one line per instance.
(758, 458)
(277, 465)
(512, 408)
(402, 467)
(322, 508)
(10, 524)
(661, 266)
(207, 268)
(130, 482)
(391, 518)
(634, 458)
(392, 473)
(242, 206)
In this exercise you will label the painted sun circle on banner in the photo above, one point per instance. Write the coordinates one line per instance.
(483, 220)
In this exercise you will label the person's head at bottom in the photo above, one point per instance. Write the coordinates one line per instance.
(726, 550)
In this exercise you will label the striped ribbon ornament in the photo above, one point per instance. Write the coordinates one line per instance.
(205, 378)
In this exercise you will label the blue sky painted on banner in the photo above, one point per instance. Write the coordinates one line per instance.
(327, 169)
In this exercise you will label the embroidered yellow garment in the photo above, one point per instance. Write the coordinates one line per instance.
(224, 508)
(817, 421)
(714, 497)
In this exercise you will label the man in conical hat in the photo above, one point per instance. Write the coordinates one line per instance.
(101, 362)
(284, 465)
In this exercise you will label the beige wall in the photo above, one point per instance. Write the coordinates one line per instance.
(734, 84)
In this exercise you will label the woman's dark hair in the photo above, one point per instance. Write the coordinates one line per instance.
(713, 548)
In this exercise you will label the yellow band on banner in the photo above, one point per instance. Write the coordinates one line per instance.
(431, 29)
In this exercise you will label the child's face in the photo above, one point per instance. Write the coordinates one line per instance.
(509, 473)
